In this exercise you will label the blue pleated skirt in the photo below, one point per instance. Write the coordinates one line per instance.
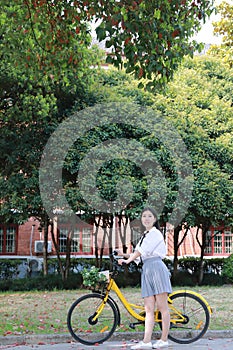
(155, 278)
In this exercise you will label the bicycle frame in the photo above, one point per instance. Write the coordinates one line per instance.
(176, 316)
(128, 306)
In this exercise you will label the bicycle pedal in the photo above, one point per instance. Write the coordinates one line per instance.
(132, 325)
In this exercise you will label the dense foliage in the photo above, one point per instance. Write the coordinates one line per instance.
(188, 275)
(228, 269)
(223, 27)
(199, 102)
(47, 75)
(149, 38)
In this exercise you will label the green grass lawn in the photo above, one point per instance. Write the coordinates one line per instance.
(45, 312)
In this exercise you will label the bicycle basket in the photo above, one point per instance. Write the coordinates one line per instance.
(102, 283)
(94, 279)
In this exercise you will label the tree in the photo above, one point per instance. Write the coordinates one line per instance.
(153, 36)
(120, 175)
(224, 27)
(199, 101)
(202, 116)
(32, 106)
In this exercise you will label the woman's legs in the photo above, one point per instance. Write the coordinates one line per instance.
(149, 303)
(162, 305)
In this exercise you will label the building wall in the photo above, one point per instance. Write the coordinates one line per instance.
(188, 245)
(30, 232)
(27, 234)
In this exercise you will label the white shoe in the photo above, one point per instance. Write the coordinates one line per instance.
(142, 345)
(160, 344)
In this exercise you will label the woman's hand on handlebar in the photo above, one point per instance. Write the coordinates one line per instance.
(130, 257)
(119, 253)
(122, 262)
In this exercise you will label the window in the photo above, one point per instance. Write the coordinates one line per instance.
(86, 240)
(62, 240)
(228, 242)
(81, 240)
(8, 239)
(75, 245)
(208, 249)
(219, 242)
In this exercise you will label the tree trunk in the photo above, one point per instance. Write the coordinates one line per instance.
(177, 244)
(56, 245)
(68, 251)
(203, 246)
(123, 220)
(201, 271)
(97, 225)
(45, 248)
(176, 247)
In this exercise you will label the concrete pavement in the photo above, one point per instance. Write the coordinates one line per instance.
(213, 340)
(203, 344)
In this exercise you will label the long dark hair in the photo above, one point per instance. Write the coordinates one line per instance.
(153, 212)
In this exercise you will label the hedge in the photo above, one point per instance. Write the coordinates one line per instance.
(217, 271)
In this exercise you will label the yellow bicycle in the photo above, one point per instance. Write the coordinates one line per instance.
(94, 317)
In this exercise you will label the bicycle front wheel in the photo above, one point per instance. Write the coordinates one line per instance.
(84, 326)
(196, 318)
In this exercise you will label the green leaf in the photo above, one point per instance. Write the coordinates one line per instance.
(101, 33)
(157, 14)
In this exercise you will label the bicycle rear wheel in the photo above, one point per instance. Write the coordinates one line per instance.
(196, 315)
(83, 327)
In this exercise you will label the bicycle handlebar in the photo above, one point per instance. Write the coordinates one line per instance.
(116, 267)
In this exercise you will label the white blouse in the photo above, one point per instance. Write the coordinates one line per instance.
(152, 245)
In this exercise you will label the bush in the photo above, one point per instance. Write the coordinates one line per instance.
(227, 271)
(169, 264)
(132, 279)
(187, 275)
(190, 264)
(183, 278)
(214, 265)
(49, 282)
(77, 264)
(9, 268)
(213, 279)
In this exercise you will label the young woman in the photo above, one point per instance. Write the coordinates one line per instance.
(155, 279)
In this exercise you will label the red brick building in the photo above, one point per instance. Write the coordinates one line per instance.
(26, 240)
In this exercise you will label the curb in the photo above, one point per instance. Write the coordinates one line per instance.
(66, 338)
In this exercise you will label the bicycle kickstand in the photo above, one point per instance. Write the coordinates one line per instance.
(132, 325)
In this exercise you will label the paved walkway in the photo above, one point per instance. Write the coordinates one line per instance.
(203, 344)
(213, 340)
